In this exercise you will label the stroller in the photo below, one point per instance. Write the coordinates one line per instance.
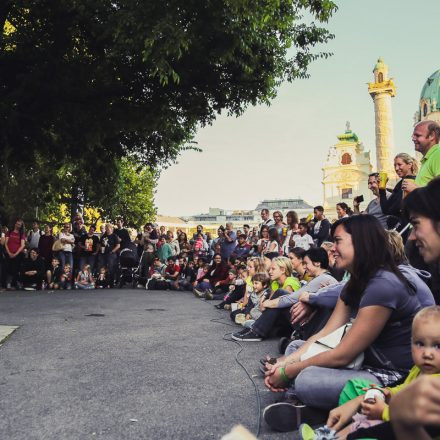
(128, 270)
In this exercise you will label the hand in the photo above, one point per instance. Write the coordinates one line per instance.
(341, 416)
(385, 391)
(418, 403)
(408, 185)
(300, 313)
(274, 382)
(206, 280)
(304, 297)
(373, 411)
(217, 284)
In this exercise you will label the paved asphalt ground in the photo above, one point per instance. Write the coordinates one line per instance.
(155, 366)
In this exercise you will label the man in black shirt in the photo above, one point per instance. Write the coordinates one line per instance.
(89, 244)
(32, 271)
(109, 246)
(122, 233)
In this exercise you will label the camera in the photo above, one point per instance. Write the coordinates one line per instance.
(359, 199)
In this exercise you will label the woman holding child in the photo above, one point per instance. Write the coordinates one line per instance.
(383, 304)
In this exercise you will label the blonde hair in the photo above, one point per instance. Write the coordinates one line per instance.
(427, 312)
(409, 160)
(258, 263)
(284, 263)
(397, 247)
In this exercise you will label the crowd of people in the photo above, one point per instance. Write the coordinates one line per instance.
(352, 304)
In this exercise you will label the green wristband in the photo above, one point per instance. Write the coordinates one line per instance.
(284, 375)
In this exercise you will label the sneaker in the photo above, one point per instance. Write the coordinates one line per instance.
(247, 335)
(282, 416)
(209, 295)
(306, 432)
(218, 306)
(198, 293)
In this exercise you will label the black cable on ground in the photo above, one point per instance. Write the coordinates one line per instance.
(257, 433)
(220, 321)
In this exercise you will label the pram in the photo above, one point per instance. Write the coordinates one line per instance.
(128, 270)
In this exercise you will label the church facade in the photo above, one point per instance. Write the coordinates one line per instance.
(345, 172)
(346, 169)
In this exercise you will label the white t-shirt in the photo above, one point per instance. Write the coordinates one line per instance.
(67, 247)
(304, 241)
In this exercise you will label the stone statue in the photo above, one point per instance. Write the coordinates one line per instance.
(347, 125)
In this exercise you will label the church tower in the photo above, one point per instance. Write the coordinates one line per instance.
(345, 172)
(382, 90)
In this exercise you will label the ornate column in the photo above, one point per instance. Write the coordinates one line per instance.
(382, 90)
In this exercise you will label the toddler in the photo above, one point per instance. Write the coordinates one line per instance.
(84, 279)
(426, 356)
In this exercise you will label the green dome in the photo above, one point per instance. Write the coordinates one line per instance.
(380, 64)
(431, 89)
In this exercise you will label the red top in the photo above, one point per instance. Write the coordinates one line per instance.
(14, 241)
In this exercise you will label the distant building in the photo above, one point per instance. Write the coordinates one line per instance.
(429, 102)
(216, 217)
(345, 172)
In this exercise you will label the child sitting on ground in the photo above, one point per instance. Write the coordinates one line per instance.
(66, 278)
(426, 356)
(84, 279)
(223, 286)
(261, 285)
(103, 280)
(54, 274)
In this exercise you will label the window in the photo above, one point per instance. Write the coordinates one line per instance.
(346, 159)
(347, 193)
(380, 77)
(425, 110)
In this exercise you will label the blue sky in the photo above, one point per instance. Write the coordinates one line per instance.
(278, 151)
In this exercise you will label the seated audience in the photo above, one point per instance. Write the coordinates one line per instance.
(217, 272)
(369, 413)
(378, 296)
(282, 283)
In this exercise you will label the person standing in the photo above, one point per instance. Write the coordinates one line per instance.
(321, 228)
(14, 246)
(406, 168)
(68, 241)
(373, 208)
(45, 244)
(425, 136)
(229, 243)
(109, 246)
(267, 221)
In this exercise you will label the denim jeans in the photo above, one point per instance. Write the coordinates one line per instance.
(203, 286)
(270, 317)
(66, 258)
(320, 387)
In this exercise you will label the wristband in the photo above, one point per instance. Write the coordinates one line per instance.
(284, 375)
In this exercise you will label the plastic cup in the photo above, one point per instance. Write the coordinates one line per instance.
(383, 177)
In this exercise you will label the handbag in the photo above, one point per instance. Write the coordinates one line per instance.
(327, 343)
(57, 246)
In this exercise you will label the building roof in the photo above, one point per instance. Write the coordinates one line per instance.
(431, 89)
(168, 219)
(280, 204)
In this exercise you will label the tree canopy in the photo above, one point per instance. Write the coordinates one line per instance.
(130, 78)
